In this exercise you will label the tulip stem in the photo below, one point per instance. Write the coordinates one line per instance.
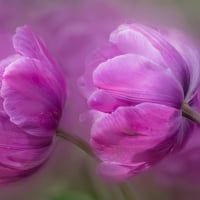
(84, 146)
(190, 113)
(126, 191)
(77, 141)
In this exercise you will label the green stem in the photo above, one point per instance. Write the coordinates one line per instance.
(126, 191)
(190, 113)
(77, 141)
(84, 146)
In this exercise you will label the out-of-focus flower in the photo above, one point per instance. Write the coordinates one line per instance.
(32, 96)
(139, 82)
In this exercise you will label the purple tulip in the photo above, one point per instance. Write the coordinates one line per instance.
(141, 81)
(32, 98)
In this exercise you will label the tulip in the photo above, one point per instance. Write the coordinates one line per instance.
(32, 96)
(142, 84)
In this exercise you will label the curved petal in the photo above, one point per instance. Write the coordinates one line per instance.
(32, 98)
(191, 56)
(28, 44)
(130, 41)
(136, 136)
(105, 102)
(143, 40)
(21, 153)
(3, 64)
(135, 79)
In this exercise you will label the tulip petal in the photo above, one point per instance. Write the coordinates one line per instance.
(32, 97)
(3, 64)
(191, 56)
(20, 152)
(136, 136)
(28, 44)
(130, 41)
(146, 41)
(135, 79)
(105, 102)
(171, 56)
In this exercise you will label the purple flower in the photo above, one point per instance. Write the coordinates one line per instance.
(32, 92)
(140, 81)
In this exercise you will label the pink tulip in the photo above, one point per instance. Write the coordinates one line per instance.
(32, 98)
(138, 84)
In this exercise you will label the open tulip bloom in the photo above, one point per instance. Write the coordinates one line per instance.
(143, 85)
(32, 95)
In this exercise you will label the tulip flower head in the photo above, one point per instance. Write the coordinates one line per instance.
(139, 83)
(32, 95)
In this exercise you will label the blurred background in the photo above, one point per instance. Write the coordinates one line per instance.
(72, 30)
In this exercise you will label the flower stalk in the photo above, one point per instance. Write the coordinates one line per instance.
(77, 141)
(190, 113)
(84, 146)
(126, 191)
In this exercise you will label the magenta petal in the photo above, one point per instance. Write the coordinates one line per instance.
(21, 153)
(173, 59)
(145, 41)
(191, 55)
(28, 44)
(129, 135)
(134, 79)
(130, 41)
(105, 102)
(3, 64)
(32, 98)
